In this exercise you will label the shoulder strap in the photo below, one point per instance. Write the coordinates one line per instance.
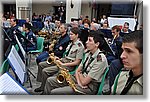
(116, 83)
(129, 84)
(69, 50)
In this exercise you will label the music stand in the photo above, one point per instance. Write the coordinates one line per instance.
(26, 58)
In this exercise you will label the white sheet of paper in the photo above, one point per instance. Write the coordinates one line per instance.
(17, 64)
(120, 21)
(21, 48)
(11, 87)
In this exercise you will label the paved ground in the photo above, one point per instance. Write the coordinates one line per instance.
(33, 68)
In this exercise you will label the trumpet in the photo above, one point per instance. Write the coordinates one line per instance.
(64, 75)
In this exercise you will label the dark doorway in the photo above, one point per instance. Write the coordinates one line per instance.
(103, 9)
(11, 8)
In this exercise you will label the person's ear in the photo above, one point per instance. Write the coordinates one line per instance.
(97, 44)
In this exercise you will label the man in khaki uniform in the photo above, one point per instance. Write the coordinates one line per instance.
(73, 56)
(130, 80)
(88, 75)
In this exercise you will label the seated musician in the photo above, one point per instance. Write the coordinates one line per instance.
(31, 43)
(59, 47)
(115, 44)
(88, 75)
(54, 33)
(130, 80)
(74, 53)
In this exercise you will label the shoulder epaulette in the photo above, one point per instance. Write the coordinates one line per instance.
(99, 57)
(79, 44)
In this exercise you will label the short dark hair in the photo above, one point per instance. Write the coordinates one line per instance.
(137, 37)
(126, 23)
(97, 37)
(65, 25)
(15, 20)
(27, 25)
(75, 30)
(117, 28)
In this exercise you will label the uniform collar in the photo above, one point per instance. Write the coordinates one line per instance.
(64, 36)
(96, 53)
(139, 80)
(76, 42)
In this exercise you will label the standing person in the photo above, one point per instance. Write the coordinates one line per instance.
(72, 58)
(103, 19)
(130, 80)
(88, 75)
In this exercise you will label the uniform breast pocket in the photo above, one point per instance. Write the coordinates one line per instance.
(89, 67)
(73, 53)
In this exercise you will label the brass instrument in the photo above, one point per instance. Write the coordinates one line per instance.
(44, 33)
(50, 59)
(56, 33)
(52, 45)
(64, 75)
(51, 54)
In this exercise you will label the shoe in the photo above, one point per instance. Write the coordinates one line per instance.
(42, 93)
(38, 90)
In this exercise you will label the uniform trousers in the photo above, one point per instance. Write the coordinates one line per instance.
(41, 66)
(45, 70)
(53, 87)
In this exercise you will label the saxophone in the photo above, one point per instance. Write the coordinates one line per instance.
(64, 75)
(52, 45)
(49, 61)
(56, 33)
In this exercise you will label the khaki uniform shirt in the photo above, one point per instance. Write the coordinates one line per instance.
(97, 67)
(136, 88)
(76, 51)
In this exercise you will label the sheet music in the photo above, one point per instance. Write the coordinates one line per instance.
(9, 86)
(17, 64)
(21, 48)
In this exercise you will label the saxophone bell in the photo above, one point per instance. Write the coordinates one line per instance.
(50, 60)
(60, 78)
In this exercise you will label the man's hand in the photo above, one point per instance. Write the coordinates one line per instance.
(79, 83)
(58, 61)
(51, 47)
